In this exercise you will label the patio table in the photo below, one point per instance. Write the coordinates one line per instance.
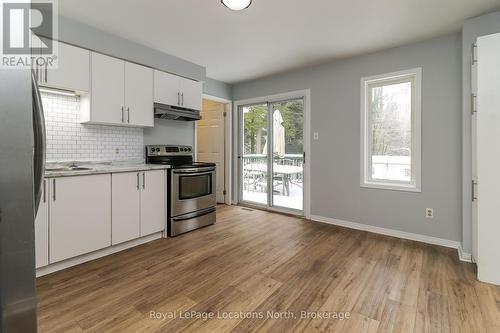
(282, 169)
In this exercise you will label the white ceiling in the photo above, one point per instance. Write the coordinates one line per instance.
(272, 35)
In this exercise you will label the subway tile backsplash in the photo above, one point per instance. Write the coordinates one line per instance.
(68, 140)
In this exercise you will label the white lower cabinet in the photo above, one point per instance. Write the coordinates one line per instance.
(126, 212)
(138, 204)
(42, 229)
(80, 215)
(153, 202)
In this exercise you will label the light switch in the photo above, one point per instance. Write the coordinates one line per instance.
(316, 136)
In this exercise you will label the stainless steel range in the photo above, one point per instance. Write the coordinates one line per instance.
(191, 198)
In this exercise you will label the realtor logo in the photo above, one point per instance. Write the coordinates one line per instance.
(28, 32)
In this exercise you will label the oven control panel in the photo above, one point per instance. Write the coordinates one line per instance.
(168, 150)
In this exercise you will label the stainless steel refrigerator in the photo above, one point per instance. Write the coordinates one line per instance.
(22, 158)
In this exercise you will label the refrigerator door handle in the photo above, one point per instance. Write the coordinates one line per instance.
(39, 140)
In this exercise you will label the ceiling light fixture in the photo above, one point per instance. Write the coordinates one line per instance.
(237, 4)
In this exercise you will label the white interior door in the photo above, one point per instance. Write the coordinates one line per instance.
(210, 142)
(488, 157)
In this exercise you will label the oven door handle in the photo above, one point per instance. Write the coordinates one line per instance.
(191, 170)
(194, 172)
(190, 216)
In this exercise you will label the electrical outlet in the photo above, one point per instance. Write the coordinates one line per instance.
(316, 136)
(117, 151)
(429, 213)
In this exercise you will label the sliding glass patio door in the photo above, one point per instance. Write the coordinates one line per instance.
(272, 154)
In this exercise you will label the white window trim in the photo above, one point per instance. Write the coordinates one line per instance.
(416, 158)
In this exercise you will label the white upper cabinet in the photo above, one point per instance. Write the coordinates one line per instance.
(175, 90)
(167, 88)
(139, 95)
(121, 93)
(73, 68)
(108, 94)
(72, 72)
(191, 94)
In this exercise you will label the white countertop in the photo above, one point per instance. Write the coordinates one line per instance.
(95, 168)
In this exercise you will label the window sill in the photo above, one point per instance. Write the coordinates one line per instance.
(392, 187)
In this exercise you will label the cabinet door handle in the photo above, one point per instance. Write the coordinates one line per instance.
(46, 80)
(123, 117)
(179, 98)
(138, 186)
(44, 190)
(128, 115)
(182, 99)
(143, 180)
(474, 184)
(54, 189)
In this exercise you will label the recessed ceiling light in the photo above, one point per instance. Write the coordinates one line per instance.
(237, 4)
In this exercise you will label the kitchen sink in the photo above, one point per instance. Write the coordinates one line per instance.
(75, 168)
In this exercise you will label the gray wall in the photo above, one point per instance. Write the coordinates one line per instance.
(217, 88)
(82, 35)
(335, 158)
(165, 131)
(472, 29)
(172, 132)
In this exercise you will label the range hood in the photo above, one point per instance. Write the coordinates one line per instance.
(165, 111)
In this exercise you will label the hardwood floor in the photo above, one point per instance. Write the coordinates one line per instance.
(254, 262)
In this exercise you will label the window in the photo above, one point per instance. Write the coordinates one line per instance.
(390, 124)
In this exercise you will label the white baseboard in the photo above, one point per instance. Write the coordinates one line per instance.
(396, 233)
(464, 256)
(95, 255)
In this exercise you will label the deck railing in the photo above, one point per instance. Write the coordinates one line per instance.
(255, 180)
